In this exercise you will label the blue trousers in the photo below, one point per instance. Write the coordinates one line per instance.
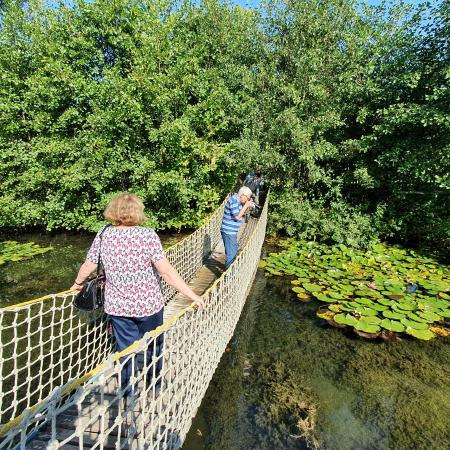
(231, 248)
(128, 330)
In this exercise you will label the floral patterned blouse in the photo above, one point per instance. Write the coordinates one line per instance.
(132, 282)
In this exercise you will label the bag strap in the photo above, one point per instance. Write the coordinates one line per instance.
(100, 249)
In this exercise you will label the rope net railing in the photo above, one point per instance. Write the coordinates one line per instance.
(167, 386)
(46, 343)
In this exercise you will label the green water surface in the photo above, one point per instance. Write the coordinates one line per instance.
(50, 272)
(289, 381)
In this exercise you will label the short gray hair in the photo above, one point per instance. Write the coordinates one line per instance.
(244, 190)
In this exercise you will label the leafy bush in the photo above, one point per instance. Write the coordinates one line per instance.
(345, 108)
(299, 217)
(105, 97)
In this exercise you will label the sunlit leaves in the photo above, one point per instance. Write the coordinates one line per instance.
(344, 107)
(102, 97)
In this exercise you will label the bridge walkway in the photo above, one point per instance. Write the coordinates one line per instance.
(60, 373)
(68, 422)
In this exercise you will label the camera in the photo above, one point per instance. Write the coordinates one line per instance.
(255, 210)
(256, 183)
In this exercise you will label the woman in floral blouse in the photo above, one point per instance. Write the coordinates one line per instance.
(133, 260)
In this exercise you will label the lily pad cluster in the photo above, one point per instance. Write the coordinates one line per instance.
(15, 251)
(379, 292)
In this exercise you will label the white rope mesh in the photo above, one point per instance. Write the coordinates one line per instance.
(92, 412)
(43, 346)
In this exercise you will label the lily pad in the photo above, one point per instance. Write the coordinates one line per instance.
(407, 306)
(337, 295)
(364, 311)
(378, 307)
(324, 298)
(325, 313)
(385, 301)
(393, 315)
(366, 326)
(352, 283)
(424, 335)
(312, 287)
(413, 324)
(362, 293)
(445, 313)
(347, 287)
(335, 307)
(274, 272)
(417, 318)
(429, 316)
(14, 251)
(435, 286)
(392, 325)
(298, 290)
(345, 319)
(363, 301)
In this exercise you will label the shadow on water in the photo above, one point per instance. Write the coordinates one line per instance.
(287, 375)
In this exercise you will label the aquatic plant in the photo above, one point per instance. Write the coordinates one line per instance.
(15, 251)
(380, 291)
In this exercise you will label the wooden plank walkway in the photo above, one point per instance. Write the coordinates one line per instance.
(205, 277)
(67, 423)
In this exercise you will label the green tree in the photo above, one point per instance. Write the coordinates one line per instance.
(345, 107)
(126, 95)
(355, 111)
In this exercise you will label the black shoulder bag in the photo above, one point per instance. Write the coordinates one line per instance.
(92, 294)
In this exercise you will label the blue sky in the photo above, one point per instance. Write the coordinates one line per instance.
(256, 2)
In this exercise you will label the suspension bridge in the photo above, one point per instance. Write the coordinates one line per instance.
(60, 373)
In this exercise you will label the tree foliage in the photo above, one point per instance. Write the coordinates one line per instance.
(344, 107)
(358, 116)
(108, 96)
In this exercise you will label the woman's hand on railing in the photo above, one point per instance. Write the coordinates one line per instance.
(85, 270)
(76, 287)
(199, 302)
(172, 277)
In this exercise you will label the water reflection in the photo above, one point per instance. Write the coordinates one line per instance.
(284, 364)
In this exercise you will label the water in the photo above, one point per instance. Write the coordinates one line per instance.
(50, 272)
(286, 380)
(290, 382)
